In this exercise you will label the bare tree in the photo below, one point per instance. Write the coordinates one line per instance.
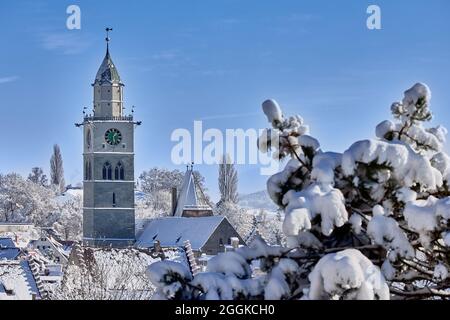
(56, 169)
(228, 181)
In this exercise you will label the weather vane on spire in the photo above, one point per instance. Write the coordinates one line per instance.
(107, 38)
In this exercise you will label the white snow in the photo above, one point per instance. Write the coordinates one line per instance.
(447, 239)
(214, 285)
(167, 271)
(441, 161)
(388, 270)
(383, 128)
(386, 232)
(308, 142)
(229, 263)
(16, 276)
(440, 272)
(408, 166)
(278, 180)
(277, 287)
(426, 216)
(305, 240)
(356, 222)
(418, 91)
(406, 195)
(337, 273)
(303, 206)
(272, 110)
(324, 165)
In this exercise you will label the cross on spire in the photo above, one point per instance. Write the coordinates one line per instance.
(107, 38)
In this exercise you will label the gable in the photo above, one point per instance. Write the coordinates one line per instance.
(224, 232)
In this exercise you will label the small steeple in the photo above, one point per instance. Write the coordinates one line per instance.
(107, 73)
(191, 201)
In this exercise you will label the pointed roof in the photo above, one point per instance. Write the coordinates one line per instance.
(107, 72)
(189, 197)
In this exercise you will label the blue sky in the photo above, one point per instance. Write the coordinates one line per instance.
(214, 60)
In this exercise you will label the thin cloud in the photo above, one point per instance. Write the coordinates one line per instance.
(165, 56)
(8, 79)
(67, 42)
(302, 17)
(229, 116)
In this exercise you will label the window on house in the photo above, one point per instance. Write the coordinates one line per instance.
(119, 172)
(107, 171)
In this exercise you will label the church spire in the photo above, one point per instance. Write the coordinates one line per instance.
(107, 73)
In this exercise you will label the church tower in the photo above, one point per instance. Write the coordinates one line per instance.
(108, 155)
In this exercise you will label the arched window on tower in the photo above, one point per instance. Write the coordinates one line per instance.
(114, 199)
(119, 172)
(107, 171)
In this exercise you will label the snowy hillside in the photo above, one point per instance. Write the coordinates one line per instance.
(257, 200)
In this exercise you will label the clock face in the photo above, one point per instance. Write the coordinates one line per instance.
(113, 137)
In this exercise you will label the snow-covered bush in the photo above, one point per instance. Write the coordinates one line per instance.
(384, 204)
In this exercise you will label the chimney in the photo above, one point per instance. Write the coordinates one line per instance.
(174, 200)
(234, 241)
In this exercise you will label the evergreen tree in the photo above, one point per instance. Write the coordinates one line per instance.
(371, 223)
(228, 181)
(57, 170)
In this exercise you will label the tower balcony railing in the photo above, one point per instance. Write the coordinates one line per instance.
(111, 118)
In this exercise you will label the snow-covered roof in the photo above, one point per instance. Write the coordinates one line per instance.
(6, 243)
(188, 198)
(173, 231)
(8, 250)
(17, 278)
(9, 253)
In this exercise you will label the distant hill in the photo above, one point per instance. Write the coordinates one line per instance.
(257, 200)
